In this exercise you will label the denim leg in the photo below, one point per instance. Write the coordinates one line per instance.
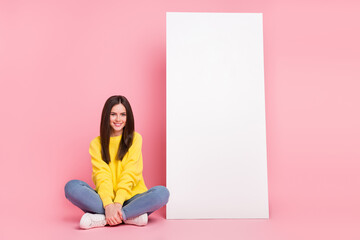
(84, 197)
(146, 202)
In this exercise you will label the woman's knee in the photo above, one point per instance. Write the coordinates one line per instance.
(163, 193)
(71, 186)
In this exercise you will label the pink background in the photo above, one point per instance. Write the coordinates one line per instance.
(60, 61)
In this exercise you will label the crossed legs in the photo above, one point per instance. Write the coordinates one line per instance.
(83, 196)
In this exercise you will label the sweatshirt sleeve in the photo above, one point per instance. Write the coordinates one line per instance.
(132, 167)
(101, 174)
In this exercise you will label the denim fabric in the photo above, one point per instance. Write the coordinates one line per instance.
(87, 199)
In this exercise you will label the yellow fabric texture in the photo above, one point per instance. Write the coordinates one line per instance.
(117, 181)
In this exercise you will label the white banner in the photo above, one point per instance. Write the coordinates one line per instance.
(216, 136)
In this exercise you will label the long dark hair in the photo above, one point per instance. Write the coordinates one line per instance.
(105, 128)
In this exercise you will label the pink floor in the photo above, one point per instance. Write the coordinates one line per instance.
(158, 228)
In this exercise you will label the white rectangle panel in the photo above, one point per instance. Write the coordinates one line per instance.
(215, 103)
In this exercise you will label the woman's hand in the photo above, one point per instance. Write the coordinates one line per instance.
(112, 215)
(118, 207)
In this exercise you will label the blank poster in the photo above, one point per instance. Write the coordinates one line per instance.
(215, 103)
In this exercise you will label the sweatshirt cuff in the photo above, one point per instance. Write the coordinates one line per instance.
(120, 197)
(106, 201)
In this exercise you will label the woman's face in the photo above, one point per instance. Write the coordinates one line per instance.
(117, 119)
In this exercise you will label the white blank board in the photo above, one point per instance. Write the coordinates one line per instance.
(215, 103)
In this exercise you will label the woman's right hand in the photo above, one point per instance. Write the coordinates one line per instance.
(111, 215)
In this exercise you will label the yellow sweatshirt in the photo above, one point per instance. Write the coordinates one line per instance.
(117, 181)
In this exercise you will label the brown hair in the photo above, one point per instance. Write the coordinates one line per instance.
(105, 128)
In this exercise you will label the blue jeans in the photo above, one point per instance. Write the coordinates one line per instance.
(88, 200)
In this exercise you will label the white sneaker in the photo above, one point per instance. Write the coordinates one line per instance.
(89, 220)
(141, 220)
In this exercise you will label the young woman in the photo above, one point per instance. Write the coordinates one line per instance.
(121, 195)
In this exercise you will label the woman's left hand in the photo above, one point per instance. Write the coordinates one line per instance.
(118, 208)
